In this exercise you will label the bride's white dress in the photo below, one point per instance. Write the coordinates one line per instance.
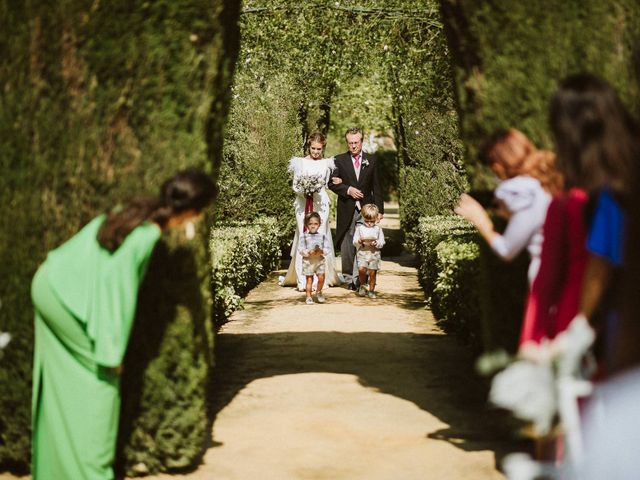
(321, 202)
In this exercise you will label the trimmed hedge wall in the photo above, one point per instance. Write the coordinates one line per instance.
(99, 101)
(472, 293)
(262, 135)
(507, 58)
(166, 423)
(241, 257)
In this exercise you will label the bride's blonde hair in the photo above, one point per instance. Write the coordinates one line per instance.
(317, 137)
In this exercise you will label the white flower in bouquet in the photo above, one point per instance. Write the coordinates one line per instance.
(309, 184)
(528, 390)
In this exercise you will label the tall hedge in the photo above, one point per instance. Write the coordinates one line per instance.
(507, 58)
(99, 101)
(264, 132)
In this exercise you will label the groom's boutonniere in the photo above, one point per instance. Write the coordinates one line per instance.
(365, 162)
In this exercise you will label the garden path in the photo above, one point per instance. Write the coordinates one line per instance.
(352, 389)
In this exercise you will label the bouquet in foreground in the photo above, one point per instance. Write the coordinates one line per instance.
(309, 184)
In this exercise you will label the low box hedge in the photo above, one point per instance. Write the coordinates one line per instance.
(242, 254)
(429, 232)
(472, 292)
(455, 293)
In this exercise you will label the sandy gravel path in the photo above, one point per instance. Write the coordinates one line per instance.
(352, 389)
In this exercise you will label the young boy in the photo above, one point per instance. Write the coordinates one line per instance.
(368, 239)
(313, 247)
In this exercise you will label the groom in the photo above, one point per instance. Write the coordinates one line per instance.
(360, 185)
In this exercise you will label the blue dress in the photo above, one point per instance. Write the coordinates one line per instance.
(607, 229)
(606, 239)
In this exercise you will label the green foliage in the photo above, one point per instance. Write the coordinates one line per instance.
(425, 238)
(165, 422)
(389, 78)
(185, 296)
(502, 291)
(471, 291)
(98, 102)
(508, 59)
(425, 122)
(241, 257)
(455, 296)
(432, 175)
(262, 135)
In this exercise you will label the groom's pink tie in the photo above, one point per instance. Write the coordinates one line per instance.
(356, 161)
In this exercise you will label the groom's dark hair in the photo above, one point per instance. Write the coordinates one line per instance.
(353, 131)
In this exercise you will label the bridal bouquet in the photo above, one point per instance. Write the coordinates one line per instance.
(309, 184)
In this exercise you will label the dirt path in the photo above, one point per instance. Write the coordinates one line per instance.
(353, 389)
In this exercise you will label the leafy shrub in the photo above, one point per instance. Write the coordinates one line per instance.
(242, 255)
(432, 173)
(471, 291)
(100, 102)
(262, 135)
(506, 62)
(455, 294)
(426, 237)
(165, 422)
(502, 291)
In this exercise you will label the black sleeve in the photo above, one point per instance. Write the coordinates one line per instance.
(341, 188)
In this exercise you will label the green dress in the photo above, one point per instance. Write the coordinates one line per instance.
(85, 302)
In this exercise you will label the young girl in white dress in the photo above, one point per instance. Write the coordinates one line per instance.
(312, 164)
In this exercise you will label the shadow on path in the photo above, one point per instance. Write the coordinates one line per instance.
(430, 370)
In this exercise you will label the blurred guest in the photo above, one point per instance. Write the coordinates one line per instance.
(598, 146)
(612, 423)
(520, 197)
(555, 294)
(85, 296)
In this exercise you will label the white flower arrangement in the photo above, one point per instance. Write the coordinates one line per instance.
(542, 382)
(309, 184)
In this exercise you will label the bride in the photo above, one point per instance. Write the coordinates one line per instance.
(311, 165)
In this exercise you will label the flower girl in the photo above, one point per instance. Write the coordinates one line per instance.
(313, 247)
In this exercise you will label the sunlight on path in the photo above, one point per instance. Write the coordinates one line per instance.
(353, 389)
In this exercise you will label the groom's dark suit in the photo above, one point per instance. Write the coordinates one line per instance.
(368, 183)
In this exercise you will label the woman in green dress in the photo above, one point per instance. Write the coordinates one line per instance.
(85, 297)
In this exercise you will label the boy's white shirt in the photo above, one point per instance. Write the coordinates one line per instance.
(374, 232)
(324, 244)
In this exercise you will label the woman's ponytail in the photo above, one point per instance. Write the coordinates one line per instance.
(187, 190)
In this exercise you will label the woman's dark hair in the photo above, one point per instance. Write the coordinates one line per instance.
(597, 139)
(187, 190)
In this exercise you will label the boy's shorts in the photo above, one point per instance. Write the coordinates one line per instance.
(311, 265)
(368, 259)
